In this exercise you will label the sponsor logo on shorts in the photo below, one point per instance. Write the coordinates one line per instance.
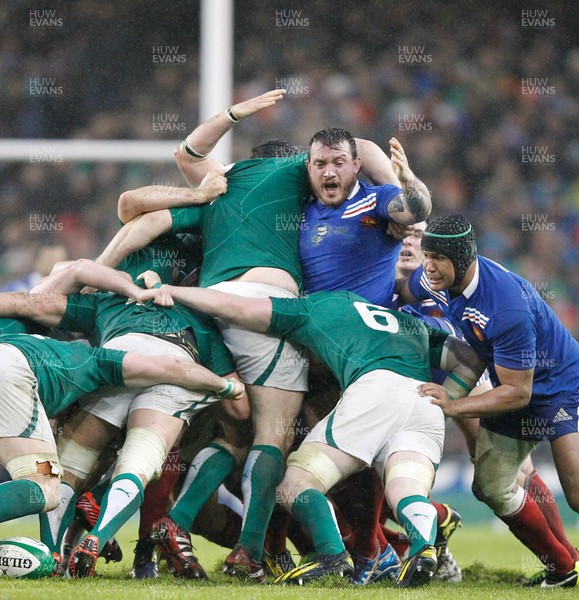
(562, 415)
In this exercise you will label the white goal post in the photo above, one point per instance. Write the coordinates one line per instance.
(56, 150)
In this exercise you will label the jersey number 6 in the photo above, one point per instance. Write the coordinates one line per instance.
(370, 314)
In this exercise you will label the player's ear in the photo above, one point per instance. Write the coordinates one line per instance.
(357, 164)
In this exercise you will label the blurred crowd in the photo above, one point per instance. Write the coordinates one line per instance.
(483, 96)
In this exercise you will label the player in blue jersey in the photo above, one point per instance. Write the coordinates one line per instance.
(533, 363)
(344, 243)
(410, 260)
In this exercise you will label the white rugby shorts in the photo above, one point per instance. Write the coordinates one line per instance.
(262, 359)
(114, 405)
(379, 414)
(21, 411)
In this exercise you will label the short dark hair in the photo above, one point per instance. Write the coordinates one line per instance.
(452, 236)
(274, 149)
(333, 137)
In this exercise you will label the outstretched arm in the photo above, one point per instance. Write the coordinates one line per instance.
(157, 197)
(251, 313)
(84, 272)
(46, 309)
(142, 371)
(192, 155)
(133, 236)
(415, 205)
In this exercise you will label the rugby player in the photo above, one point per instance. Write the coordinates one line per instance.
(41, 377)
(155, 416)
(369, 349)
(533, 363)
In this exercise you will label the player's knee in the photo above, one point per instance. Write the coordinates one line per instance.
(503, 498)
(143, 454)
(572, 498)
(77, 459)
(44, 469)
(318, 465)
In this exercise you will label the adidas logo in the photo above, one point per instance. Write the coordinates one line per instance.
(562, 415)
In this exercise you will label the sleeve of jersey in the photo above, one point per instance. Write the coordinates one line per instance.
(185, 219)
(419, 286)
(79, 314)
(286, 317)
(513, 336)
(436, 339)
(220, 360)
(110, 365)
(384, 195)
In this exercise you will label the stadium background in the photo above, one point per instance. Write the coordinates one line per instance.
(483, 98)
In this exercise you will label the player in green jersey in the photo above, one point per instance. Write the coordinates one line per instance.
(41, 377)
(379, 357)
(156, 414)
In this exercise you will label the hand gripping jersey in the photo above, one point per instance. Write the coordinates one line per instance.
(347, 248)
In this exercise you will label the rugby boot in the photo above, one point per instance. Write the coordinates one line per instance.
(323, 565)
(418, 570)
(86, 513)
(446, 528)
(387, 566)
(277, 564)
(364, 568)
(84, 557)
(175, 545)
(145, 563)
(241, 565)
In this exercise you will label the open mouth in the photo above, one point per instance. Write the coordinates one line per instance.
(331, 186)
(406, 254)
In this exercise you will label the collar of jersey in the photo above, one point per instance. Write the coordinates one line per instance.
(471, 287)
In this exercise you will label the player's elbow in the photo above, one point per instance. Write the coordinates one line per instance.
(522, 396)
(79, 269)
(126, 206)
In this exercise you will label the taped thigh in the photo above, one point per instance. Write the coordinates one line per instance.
(77, 459)
(497, 463)
(311, 459)
(410, 469)
(39, 463)
(143, 454)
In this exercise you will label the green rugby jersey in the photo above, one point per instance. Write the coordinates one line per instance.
(9, 325)
(353, 337)
(255, 224)
(166, 255)
(104, 316)
(65, 371)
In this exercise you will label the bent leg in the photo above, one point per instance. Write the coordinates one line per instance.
(35, 471)
(498, 462)
(274, 412)
(312, 470)
(150, 434)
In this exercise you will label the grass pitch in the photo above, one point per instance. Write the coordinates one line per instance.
(493, 564)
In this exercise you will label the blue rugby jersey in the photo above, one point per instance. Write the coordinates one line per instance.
(505, 320)
(347, 248)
